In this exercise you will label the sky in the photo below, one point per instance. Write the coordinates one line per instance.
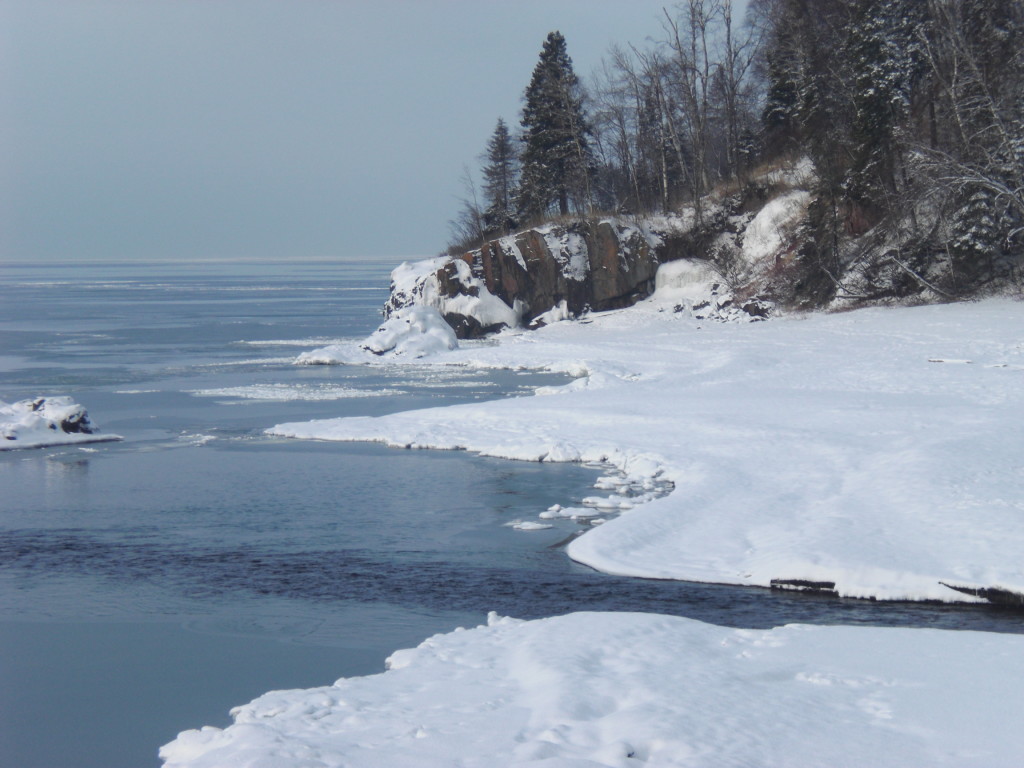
(232, 129)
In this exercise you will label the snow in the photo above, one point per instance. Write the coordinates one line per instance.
(689, 279)
(510, 247)
(416, 284)
(593, 690)
(569, 250)
(824, 447)
(556, 314)
(821, 447)
(46, 421)
(414, 331)
(771, 228)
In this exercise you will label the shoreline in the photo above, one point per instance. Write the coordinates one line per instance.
(589, 420)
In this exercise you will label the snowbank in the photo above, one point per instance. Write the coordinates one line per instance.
(413, 331)
(827, 449)
(593, 689)
(46, 421)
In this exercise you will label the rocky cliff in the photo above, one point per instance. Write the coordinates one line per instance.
(562, 270)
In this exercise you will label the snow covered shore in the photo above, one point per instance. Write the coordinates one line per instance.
(593, 690)
(878, 450)
(45, 421)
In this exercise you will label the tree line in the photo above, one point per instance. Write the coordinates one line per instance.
(912, 112)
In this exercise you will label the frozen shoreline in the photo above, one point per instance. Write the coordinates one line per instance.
(861, 449)
(854, 449)
(603, 690)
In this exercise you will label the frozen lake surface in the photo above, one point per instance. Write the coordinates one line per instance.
(150, 585)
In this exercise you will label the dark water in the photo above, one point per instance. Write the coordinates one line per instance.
(147, 586)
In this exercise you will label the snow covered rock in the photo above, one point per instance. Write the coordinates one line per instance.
(45, 421)
(537, 276)
(595, 265)
(414, 331)
(596, 690)
(695, 285)
(448, 286)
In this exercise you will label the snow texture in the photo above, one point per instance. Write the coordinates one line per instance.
(614, 690)
(569, 250)
(771, 229)
(414, 331)
(46, 421)
(416, 284)
(824, 448)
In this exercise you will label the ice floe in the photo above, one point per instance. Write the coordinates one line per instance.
(46, 421)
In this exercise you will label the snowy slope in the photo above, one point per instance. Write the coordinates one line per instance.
(854, 448)
(618, 690)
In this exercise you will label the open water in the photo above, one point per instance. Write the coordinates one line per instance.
(149, 585)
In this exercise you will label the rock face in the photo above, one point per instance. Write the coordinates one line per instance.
(573, 268)
(555, 272)
(597, 266)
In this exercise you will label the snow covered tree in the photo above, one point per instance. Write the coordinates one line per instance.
(886, 59)
(975, 158)
(499, 185)
(975, 231)
(556, 159)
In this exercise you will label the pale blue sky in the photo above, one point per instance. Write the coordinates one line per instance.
(245, 128)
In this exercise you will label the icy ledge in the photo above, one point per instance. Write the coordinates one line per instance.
(46, 421)
(593, 690)
(836, 451)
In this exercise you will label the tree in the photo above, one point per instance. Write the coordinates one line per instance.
(556, 160)
(467, 228)
(886, 60)
(500, 181)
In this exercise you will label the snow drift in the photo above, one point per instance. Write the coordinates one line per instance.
(603, 690)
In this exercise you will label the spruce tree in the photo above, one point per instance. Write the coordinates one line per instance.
(556, 160)
(886, 60)
(500, 181)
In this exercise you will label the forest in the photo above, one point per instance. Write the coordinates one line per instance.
(910, 111)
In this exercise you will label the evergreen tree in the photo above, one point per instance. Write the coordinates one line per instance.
(975, 234)
(782, 100)
(500, 181)
(887, 61)
(556, 160)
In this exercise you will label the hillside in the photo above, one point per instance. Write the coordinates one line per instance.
(756, 252)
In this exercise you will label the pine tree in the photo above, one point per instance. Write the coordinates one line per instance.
(556, 160)
(975, 234)
(782, 100)
(887, 61)
(500, 181)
